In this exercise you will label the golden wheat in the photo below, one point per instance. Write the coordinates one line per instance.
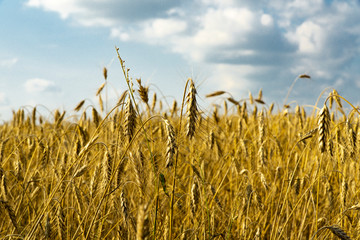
(236, 171)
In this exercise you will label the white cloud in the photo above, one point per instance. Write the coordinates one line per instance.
(38, 85)
(117, 33)
(233, 78)
(3, 99)
(8, 63)
(160, 28)
(267, 20)
(317, 36)
(309, 36)
(218, 26)
(63, 7)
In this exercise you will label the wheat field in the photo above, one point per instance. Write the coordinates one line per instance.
(143, 171)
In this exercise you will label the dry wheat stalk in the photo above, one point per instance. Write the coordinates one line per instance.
(124, 206)
(233, 101)
(174, 109)
(304, 76)
(166, 228)
(331, 100)
(100, 89)
(299, 117)
(105, 73)
(122, 98)
(271, 108)
(212, 139)
(192, 111)
(197, 173)
(336, 230)
(258, 234)
(107, 167)
(309, 134)
(120, 171)
(81, 171)
(130, 119)
(216, 116)
(95, 116)
(297, 186)
(323, 127)
(214, 94)
(153, 104)
(321, 222)
(337, 98)
(351, 137)
(61, 223)
(47, 227)
(143, 224)
(33, 117)
(4, 190)
(11, 214)
(2, 149)
(344, 190)
(94, 183)
(249, 193)
(139, 170)
(254, 114)
(259, 101)
(329, 193)
(258, 199)
(260, 95)
(170, 144)
(261, 127)
(194, 197)
(251, 98)
(56, 115)
(263, 181)
(79, 105)
(60, 119)
(244, 111)
(1, 176)
(261, 154)
(214, 193)
(225, 108)
(101, 104)
(143, 91)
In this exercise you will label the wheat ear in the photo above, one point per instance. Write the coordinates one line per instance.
(192, 111)
(130, 119)
(323, 127)
(143, 91)
(170, 143)
(142, 226)
(336, 230)
(11, 214)
(195, 197)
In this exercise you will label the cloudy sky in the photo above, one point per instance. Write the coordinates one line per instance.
(53, 52)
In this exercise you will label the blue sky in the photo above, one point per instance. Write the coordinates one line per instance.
(52, 52)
